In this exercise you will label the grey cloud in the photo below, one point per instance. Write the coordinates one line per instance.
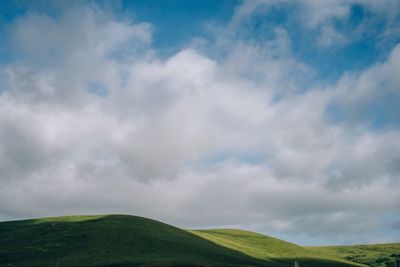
(396, 225)
(267, 203)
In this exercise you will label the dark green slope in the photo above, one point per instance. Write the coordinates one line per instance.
(120, 240)
(114, 240)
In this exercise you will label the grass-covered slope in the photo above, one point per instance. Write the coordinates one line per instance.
(115, 240)
(381, 255)
(119, 240)
(269, 248)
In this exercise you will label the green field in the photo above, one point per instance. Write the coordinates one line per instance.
(121, 240)
(380, 255)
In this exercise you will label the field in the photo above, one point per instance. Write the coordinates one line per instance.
(380, 255)
(121, 240)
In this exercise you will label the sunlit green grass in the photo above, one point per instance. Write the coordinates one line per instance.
(268, 248)
(381, 255)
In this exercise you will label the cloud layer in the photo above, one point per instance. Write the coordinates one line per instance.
(94, 120)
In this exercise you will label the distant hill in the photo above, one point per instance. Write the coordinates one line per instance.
(380, 255)
(121, 240)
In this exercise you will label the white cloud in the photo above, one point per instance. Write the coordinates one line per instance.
(174, 138)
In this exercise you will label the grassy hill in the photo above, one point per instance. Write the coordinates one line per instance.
(269, 248)
(380, 255)
(120, 240)
(115, 240)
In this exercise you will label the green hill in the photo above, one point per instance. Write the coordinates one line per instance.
(120, 240)
(269, 248)
(380, 255)
(115, 240)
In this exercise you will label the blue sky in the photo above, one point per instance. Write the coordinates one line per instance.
(275, 116)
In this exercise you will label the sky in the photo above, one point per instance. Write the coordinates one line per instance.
(281, 117)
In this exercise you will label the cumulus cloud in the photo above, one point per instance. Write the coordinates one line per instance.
(190, 139)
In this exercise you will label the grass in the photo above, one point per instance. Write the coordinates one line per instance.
(380, 255)
(115, 240)
(269, 248)
(121, 240)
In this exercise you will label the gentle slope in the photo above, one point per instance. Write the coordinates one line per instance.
(380, 255)
(268, 248)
